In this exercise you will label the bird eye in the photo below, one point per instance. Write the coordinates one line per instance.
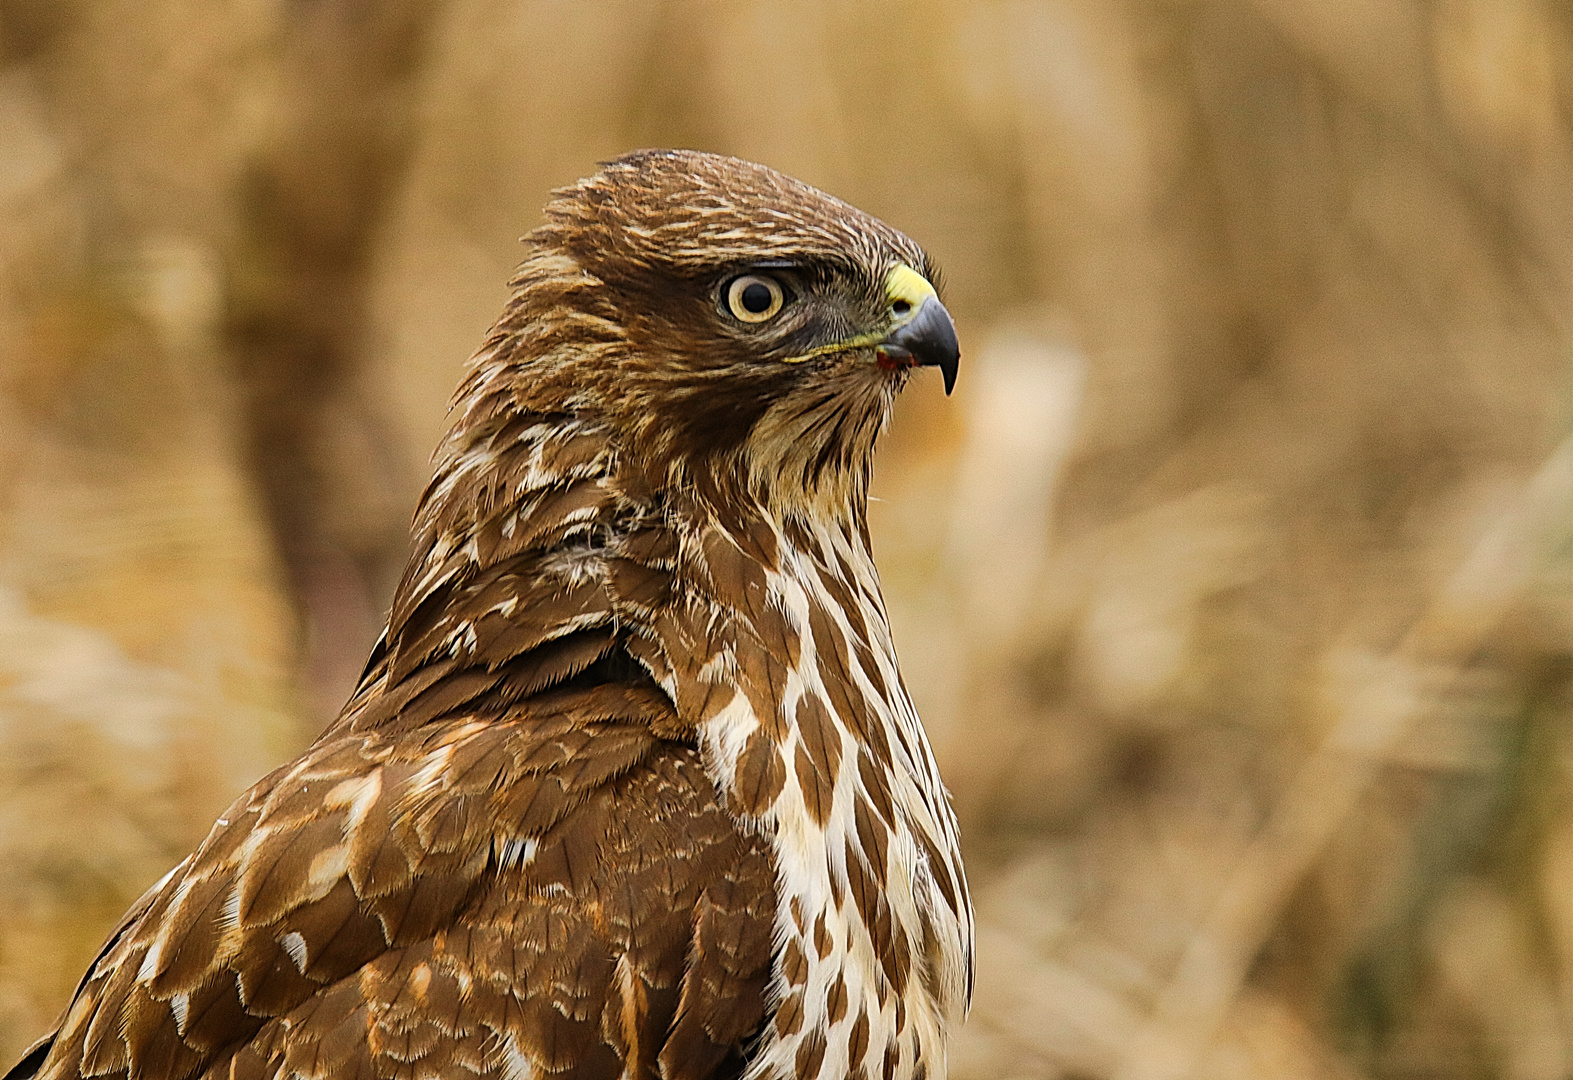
(753, 298)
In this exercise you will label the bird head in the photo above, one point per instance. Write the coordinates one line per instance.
(741, 329)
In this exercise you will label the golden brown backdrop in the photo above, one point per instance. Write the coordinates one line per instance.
(1235, 583)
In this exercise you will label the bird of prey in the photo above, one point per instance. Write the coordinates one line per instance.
(631, 785)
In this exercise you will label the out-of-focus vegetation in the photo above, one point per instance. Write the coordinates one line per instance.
(1234, 584)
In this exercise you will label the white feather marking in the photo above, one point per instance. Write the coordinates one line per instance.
(432, 773)
(515, 1066)
(576, 565)
(295, 945)
(327, 867)
(180, 1005)
(514, 851)
(229, 914)
(150, 961)
(359, 793)
(723, 738)
(720, 668)
(462, 639)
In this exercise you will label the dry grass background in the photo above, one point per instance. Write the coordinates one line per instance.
(1235, 584)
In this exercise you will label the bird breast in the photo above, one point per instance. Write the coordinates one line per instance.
(819, 747)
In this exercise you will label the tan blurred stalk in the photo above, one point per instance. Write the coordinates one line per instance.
(145, 642)
(1375, 703)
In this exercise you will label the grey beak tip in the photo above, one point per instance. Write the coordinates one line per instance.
(930, 337)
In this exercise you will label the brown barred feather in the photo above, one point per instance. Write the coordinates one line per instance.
(761, 775)
(591, 812)
(816, 792)
(810, 1055)
(821, 738)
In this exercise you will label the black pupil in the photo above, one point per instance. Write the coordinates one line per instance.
(756, 298)
(901, 307)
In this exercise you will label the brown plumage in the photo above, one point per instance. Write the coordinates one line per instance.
(631, 786)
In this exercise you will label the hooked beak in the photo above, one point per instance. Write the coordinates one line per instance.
(928, 339)
(923, 335)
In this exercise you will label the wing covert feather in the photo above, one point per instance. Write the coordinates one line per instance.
(555, 892)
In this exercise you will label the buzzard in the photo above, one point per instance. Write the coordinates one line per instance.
(631, 786)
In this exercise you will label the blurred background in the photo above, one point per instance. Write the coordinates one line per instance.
(1235, 583)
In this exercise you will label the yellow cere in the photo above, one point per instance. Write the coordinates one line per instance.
(901, 283)
(905, 283)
